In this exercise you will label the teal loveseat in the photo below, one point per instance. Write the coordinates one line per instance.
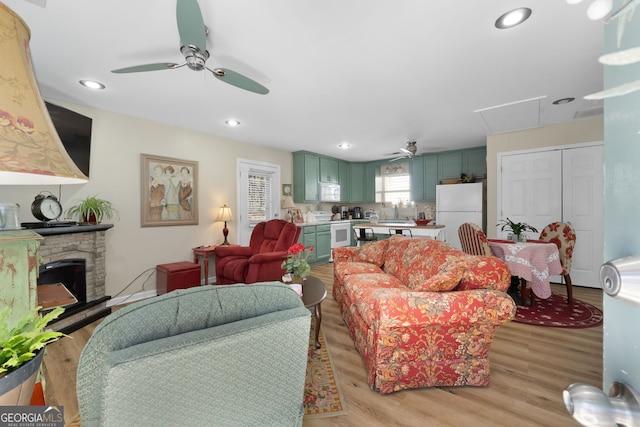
(207, 356)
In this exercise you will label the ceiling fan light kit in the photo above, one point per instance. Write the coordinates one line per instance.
(193, 39)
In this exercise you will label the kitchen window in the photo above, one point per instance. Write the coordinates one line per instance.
(393, 184)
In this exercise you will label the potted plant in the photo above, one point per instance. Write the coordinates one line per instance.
(296, 263)
(516, 228)
(21, 351)
(92, 210)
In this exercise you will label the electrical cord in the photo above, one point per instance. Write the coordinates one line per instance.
(152, 270)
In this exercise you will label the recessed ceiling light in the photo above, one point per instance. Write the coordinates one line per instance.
(563, 101)
(232, 122)
(344, 145)
(513, 18)
(92, 84)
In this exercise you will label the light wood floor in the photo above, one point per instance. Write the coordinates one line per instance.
(530, 366)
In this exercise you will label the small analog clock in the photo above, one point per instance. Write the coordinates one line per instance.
(46, 207)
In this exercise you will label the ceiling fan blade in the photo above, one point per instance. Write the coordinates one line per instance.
(148, 67)
(404, 150)
(238, 80)
(398, 158)
(191, 24)
(623, 89)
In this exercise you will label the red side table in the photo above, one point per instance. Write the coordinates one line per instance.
(205, 252)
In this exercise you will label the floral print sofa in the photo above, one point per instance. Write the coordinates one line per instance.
(420, 312)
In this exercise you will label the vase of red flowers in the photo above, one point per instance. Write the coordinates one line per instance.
(296, 266)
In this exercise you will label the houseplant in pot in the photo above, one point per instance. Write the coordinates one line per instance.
(516, 228)
(21, 352)
(92, 210)
(295, 265)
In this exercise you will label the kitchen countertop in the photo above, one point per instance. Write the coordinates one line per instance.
(401, 225)
(340, 221)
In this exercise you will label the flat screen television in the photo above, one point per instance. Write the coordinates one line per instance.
(74, 130)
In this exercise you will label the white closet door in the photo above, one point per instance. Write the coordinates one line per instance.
(531, 189)
(583, 207)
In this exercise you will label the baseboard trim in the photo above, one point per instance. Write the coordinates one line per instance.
(126, 299)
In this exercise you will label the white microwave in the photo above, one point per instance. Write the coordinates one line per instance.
(329, 192)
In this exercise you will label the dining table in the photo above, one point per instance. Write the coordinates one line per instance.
(533, 261)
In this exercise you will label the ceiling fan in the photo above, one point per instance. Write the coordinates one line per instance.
(409, 152)
(193, 40)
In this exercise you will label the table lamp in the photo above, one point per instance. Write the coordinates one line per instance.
(30, 148)
(225, 215)
(288, 204)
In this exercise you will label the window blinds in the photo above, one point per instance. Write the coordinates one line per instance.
(260, 206)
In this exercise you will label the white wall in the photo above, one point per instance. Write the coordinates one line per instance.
(575, 132)
(117, 143)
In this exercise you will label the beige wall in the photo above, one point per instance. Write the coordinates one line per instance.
(579, 131)
(117, 143)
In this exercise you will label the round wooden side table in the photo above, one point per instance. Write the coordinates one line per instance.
(313, 293)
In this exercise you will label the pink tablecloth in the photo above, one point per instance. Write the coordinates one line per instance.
(534, 262)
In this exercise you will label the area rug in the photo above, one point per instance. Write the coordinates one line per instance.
(322, 395)
(556, 312)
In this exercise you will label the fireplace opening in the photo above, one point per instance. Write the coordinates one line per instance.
(72, 274)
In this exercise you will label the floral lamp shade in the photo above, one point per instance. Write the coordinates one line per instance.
(30, 149)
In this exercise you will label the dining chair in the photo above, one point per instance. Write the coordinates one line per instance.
(564, 237)
(473, 240)
(363, 234)
(403, 231)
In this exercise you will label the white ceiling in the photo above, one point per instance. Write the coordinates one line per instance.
(372, 73)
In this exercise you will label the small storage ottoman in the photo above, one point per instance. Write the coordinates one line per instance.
(177, 275)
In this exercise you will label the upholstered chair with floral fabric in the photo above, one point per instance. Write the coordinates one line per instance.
(564, 237)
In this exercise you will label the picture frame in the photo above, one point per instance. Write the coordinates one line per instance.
(297, 216)
(287, 190)
(169, 193)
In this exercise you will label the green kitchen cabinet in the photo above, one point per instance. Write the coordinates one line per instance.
(318, 237)
(475, 162)
(323, 243)
(308, 237)
(344, 175)
(449, 165)
(306, 175)
(329, 170)
(356, 184)
(423, 172)
(370, 172)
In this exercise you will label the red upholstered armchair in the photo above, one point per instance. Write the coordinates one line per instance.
(261, 260)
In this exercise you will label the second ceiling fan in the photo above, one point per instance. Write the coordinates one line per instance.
(193, 42)
(410, 151)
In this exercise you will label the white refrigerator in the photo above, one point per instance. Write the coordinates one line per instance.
(457, 204)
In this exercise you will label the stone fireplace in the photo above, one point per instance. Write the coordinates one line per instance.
(86, 242)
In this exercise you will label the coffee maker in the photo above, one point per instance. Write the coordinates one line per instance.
(344, 212)
(357, 213)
